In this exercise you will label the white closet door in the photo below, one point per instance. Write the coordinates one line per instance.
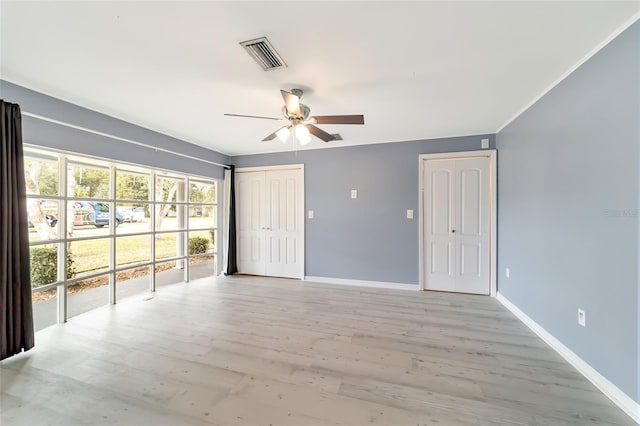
(270, 228)
(457, 225)
(250, 213)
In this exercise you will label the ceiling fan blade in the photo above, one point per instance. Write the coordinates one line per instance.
(273, 135)
(292, 102)
(339, 119)
(253, 116)
(319, 133)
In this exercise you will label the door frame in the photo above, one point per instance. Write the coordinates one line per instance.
(300, 204)
(491, 154)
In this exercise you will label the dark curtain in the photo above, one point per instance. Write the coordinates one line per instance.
(16, 315)
(232, 261)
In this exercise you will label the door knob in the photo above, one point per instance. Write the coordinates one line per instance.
(453, 231)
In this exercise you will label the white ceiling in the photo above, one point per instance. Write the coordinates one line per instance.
(416, 70)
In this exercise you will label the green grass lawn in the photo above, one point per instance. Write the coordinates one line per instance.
(92, 255)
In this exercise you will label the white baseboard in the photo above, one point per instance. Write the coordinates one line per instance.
(361, 283)
(621, 399)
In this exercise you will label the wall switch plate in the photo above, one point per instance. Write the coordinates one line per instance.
(484, 143)
(310, 214)
(582, 317)
(507, 272)
(354, 194)
(409, 214)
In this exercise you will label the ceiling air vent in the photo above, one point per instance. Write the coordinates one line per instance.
(263, 52)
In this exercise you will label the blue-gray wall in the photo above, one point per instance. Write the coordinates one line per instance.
(568, 180)
(369, 238)
(46, 134)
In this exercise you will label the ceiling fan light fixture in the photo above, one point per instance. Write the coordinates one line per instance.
(283, 134)
(302, 134)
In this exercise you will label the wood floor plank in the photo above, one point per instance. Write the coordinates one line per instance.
(264, 351)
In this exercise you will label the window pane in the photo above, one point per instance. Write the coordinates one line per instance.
(44, 308)
(87, 182)
(201, 242)
(134, 218)
(132, 186)
(169, 190)
(202, 216)
(43, 219)
(88, 294)
(170, 217)
(200, 267)
(90, 256)
(202, 192)
(44, 265)
(131, 250)
(169, 245)
(41, 173)
(132, 281)
(167, 274)
(90, 218)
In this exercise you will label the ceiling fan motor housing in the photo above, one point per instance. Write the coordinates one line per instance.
(304, 110)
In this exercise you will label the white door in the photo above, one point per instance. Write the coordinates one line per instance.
(270, 211)
(250, 203)
(457, 225)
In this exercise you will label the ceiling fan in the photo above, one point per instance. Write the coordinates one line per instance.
(301, 123)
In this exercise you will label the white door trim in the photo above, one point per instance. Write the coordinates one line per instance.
(493, 208)
(267, 168)
(301, 201)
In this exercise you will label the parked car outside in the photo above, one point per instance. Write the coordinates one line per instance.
(51, 220)
(131, 214)
(139, 214)
(94, 213)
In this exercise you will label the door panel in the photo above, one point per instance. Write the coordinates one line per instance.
(274, 252)
(440, 200)
(439, 205)
(441, 260)
(473, 238)
(291, 207)
(292, 251)
(284, 227)
(470, 206)
(250, 214)
(470, 260)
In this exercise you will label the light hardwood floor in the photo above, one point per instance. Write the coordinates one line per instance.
(264, 351)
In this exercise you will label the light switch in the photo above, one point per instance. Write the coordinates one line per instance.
(409, 214)
(354, 194)
(484, 143)
(310, 214)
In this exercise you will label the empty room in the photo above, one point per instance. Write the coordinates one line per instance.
(320, 212)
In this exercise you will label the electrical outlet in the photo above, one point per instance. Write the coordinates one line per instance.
(354, 194)
(582, 317)
(409, 214)
(310, 214)
(507, 272)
